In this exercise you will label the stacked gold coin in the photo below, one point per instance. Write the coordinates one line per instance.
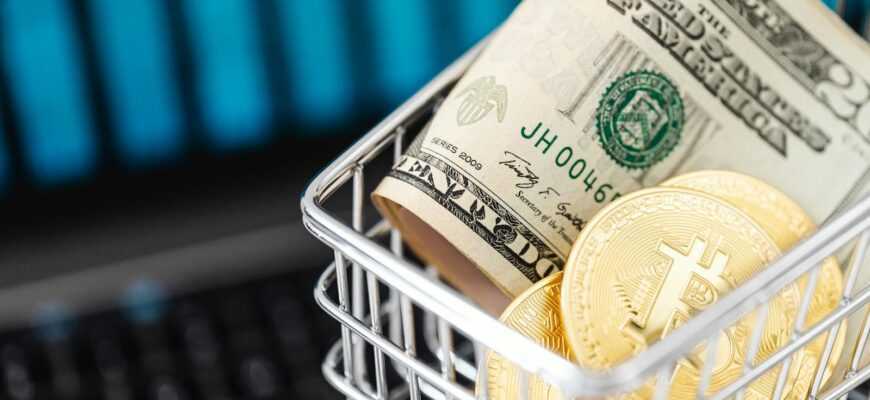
(649, 262)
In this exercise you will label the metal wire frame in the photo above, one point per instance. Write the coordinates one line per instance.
(362, 325)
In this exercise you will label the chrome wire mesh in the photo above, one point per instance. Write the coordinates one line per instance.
(388, 306)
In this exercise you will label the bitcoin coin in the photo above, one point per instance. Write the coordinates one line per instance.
(650, 261)
(787, 223)
(535, 314)
(778, 215)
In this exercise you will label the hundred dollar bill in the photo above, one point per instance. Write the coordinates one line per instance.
(575, 103)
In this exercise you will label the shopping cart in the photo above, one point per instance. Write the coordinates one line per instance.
(405, 334)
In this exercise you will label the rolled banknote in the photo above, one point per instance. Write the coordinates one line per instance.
(574, 104)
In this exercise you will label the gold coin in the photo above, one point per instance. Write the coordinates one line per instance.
(535, 314)
(782, 218)
(787, 223)
(650, 261)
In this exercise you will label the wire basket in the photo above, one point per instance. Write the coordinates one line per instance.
(405, 334)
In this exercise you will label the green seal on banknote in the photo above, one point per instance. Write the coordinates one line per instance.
(640, 119)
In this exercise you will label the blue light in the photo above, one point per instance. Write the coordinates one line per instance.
(832, 4)
(855, 14)
(42, 58)
(865, 21)
(4, 162)
(133, 43)
(53, 322)
(480, 17)
(317, 55)
(230, 74)
(403, 46)
(144, 301)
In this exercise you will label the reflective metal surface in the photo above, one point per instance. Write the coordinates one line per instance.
(372, 357)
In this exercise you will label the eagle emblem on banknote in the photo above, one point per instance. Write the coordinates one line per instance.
(640, 119)
(479, 98)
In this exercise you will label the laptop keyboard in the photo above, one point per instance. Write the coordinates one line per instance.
(260, 340)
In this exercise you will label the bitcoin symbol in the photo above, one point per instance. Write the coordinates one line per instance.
(662, 297)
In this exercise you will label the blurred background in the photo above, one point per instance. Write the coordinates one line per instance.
(152, 155)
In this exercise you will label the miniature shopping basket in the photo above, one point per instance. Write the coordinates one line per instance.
(405, 334)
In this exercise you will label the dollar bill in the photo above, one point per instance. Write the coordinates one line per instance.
(574, 104)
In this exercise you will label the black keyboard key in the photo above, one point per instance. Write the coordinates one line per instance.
(291, 328)
(165, 387)
(18, 379)
(198, 335)
(66, 378)
(203, 351)
(295, 330)
(163, 377)
(111, 360)
(212, 386)
(251, 349)
(259, 379)
(55, 329)
(144, 307)
(313, 386)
